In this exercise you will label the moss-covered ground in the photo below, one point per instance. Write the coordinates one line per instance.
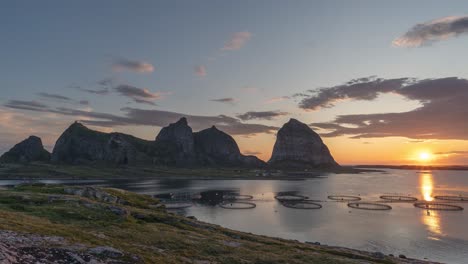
(140, 226)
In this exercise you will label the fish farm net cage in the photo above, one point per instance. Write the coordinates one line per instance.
(398, 198)
(233, 197)
(452, 198)
(344, 198)
(369, 206)
(290, 197)
(237, 205)
(302, 204)
(177, 205)
(438, 206)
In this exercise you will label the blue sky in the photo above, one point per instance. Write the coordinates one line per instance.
(53, 46)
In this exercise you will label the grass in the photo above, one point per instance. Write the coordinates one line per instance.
(151, 233)
(55, 171)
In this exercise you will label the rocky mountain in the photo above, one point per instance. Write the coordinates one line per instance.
(175, 144)
(79, 144)
(28, 150)
(297, 145)
(216, 148)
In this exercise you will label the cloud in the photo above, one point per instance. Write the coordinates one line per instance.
(139, 95)
(26, 105)
(16, 126)
(61, 98)
(141, 117)
(102, 91)
(359, 89)
(237, 40)
(442, 114)
(55, 96)
(200, 70)
(435, 30)
(277, 99)
(132, 65)
(227, 100)
(453, 152)
(265, 115)
(251, 152)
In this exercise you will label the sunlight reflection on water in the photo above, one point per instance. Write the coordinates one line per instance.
(427, 185)
(430, 218)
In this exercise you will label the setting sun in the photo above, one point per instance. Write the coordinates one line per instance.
(425, 156)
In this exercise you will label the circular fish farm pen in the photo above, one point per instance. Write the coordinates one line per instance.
(369, 206)
(452, 198)
(243, 197)
(344, 198)
(290, 197)
(177, 205)
(237, 205)
(398, 198)
(438, 206)
(302, 204)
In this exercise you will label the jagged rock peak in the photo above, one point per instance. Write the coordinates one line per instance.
(177, 142)
(28, 150)
(182, 121)
(298, 145)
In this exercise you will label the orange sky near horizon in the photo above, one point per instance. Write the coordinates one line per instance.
(386, 151)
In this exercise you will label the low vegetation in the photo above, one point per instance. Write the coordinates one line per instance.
(140, 228)
(54, 171)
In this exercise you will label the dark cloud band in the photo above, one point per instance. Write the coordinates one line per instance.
(435, 30)
(442, 114)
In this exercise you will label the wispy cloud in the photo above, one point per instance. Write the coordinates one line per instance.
(102, 91)
(265, 115)
(442, 114)
(200, 70)
(277, 99)
(62, 98)
(132, 65)
(141, 117)
(227, 100)
(55, 96)
(435, 30)
(26, 105)
(251, 152)
(237, 41)
(139, 95)
(453, 152)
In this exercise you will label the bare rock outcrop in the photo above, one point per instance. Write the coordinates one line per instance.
(175, 144)
(297, 145)
(216, 148)
(78, 145)
(28, 150)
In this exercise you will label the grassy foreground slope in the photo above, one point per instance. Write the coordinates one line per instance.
(80, 224)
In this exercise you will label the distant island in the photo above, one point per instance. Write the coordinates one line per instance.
(415, 167)
(297, 146)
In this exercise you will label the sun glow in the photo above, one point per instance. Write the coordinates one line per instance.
(425, 156)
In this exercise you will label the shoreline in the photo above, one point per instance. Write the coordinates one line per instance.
(43, 171)
(127, 227)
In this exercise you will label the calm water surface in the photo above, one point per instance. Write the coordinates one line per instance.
(437, 235)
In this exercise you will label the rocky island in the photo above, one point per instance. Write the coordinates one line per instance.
(176, 145)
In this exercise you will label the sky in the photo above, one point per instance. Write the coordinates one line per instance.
(382, 82)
